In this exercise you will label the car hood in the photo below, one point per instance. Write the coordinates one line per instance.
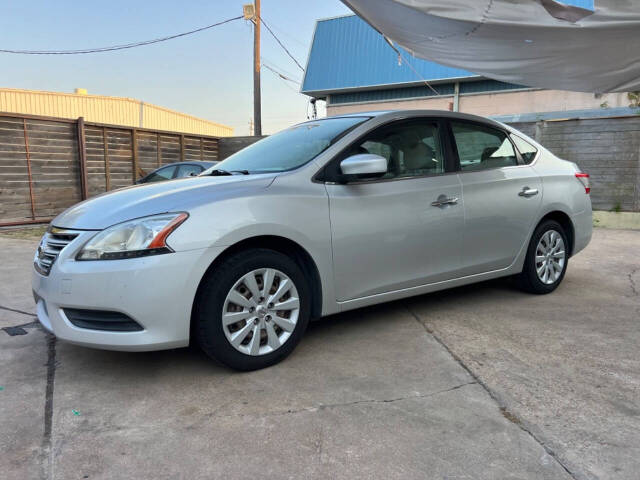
(137, 201)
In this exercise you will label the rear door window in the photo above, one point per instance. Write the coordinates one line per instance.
(527, 151)
(481, 148)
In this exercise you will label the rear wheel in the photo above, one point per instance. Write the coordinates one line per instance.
(546, 261)
(252, 309)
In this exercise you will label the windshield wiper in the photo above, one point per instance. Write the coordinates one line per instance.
(218, 172)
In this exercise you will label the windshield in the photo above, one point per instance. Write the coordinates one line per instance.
(288, 149)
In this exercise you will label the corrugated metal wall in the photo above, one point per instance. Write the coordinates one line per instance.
(348, 53)
(109, 110)
(159, 118)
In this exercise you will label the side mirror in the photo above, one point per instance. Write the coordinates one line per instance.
(362, 166)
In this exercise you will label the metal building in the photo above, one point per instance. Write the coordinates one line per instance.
(106, 110)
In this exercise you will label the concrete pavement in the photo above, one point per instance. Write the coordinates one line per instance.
(566, 364)
(480, 382)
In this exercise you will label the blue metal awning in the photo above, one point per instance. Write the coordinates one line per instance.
(347, 53)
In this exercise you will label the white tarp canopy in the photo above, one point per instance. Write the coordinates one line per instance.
(538, 43)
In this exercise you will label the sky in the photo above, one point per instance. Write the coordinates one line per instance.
(208, 74)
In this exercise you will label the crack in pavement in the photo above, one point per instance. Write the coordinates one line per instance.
(47, 448)
(15, 310)
(506, 413)
(324, 406)
(632, 282)
(215, 416)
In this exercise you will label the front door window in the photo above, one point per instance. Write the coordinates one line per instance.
(411, 149)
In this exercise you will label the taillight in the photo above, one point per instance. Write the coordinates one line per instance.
(584, 180)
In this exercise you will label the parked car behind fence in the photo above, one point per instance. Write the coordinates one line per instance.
(176, 170)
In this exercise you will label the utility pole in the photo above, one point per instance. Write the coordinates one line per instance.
(257, 110)
(252, 12)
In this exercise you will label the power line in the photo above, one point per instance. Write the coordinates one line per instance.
(419, 76)
(281, 44)
(117, 47)
(279, 73)
(284, 78)
(282, 31)
(275, 65)
(401, 58)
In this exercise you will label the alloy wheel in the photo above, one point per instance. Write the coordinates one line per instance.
(550, 257)
(260, 311)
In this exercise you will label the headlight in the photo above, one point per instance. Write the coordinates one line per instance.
(135, 238)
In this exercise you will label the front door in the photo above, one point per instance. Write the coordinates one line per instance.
(404, 229)
(502, 196)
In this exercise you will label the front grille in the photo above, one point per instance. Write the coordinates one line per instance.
(52, 243)
(102, 320)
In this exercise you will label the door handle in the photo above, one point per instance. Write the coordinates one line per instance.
(444, 201)
(528, 192)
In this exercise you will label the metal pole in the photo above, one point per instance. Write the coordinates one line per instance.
(82, 151)
(107, 167)
(456, 97)
(134, 153)
(26, 148)
(158, 150)
(257, 110)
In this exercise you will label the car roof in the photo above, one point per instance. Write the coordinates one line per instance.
(401, 114)
(398, 114)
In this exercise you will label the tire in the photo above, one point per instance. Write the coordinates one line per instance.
(529, 280)
(257, 320)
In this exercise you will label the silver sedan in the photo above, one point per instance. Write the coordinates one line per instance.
(326, 216)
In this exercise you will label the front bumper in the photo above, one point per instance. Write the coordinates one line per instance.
(156, 291)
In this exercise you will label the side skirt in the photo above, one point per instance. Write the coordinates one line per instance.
(422, 289)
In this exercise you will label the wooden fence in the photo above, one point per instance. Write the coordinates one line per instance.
(48, 164)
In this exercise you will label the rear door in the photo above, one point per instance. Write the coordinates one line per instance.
(502, 196)
(397, 231)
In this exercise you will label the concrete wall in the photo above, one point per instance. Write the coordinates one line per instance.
(488, 104)
(608, 149)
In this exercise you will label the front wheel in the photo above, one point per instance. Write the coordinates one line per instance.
(546, 261)
(252, 309)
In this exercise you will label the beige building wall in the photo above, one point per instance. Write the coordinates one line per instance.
(488, 104)
(109, 110)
